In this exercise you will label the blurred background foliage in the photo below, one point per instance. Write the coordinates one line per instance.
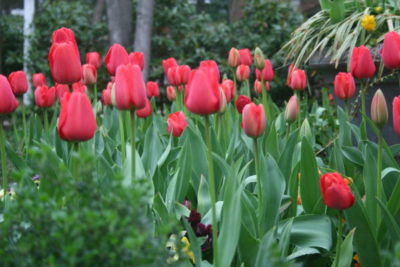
(181, 29)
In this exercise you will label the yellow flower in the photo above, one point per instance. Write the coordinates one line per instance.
(186, 248)
(368, 22)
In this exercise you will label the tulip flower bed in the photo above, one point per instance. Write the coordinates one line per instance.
(221, 177)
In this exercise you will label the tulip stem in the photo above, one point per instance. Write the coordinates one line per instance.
(3, 161)
(288, 131)
(364, 113)
(346, 107)
(133, 143)
(258, 178)
(122, 134)
(46, 121)
(339, 239)
(26, 139)
(14, 123)
(265, 99)
(213, 195)
(379, 186)
(95, 96)
(235, 85)
(297, 94)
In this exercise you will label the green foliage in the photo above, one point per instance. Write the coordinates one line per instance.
(11, 43)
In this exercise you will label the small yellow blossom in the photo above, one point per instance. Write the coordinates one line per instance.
(368, 22)
(186, 248)
(11, 194)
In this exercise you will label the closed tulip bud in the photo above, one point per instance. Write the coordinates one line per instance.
(267, 72)
(292, 109)
(257, 87)
(396, 114)
(173, 75)
(45, 96)
(253, 120)
(298, 79)
(130, 90)
(38, 79)
(228, 86)
(390, 52)
(65, 63)
(242, 72)
(18, 82)
(211, 69)
(202, 94)
(184, 74)
(223, 103)
(152, 89)
(63, 35)
(115, 57)
(344, 85)
(245, 56)
(77, 121)
(137, 58)
(146, 111)
(8, 102)
(379, 110)
(106, 97)
(234, 58)
(171, 93)
(94, 59)
(259, 59)
(176, 123)
(335, 191)
(89, 74)
(362, 65)
(61, 89)
(168, 63)
(241, 102)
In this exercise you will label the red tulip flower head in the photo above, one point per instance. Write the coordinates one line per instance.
(176, 123)
(38, 79)
(115, 57)
(242, 72)
(152, 89)
(241, 102)
(297, 79)
(64, 35)
(396, 114)
(45, 96)
(267, 72)
(61, 89)
(211, 69)
(335, 191)
(77, 121)
(228, 86)
(234, 58)
(171, 93)
(137, 58)
(18, 82)
(65, 63)
(390, 52)
(179, 75)
(245, 56)
(253, 119)
(94, 59)
(292, 109)
(344, 85)
(8, 102)
(106, 97)
(362, 65)
(146, 111)
(89, 74)
(168, 63)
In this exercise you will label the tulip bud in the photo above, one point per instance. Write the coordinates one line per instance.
(379, 111)
(94, 59)
(115, 57)
(253, 120)
(89, 74)
(242, 72)
(344, 85)
(171, 93)
(146, 111)
(38, 79)
(233, 58)
(335, 191)
(65, 63)
(106, 97)
(267, 72)
(241, 102)
(45, 96)
(390, 50)
(228, 87)
(245, 56)
(113, 97)
(210, 67)
(258, 87)
(396, 114)
(18, 82)
(297, 79)
(292, 109)
(259, 58)
(168, 63)
(223, 104)
(176, 123)
(61, 89)
(137, 58)
(152, 89)
(8, 102)
(362, 65)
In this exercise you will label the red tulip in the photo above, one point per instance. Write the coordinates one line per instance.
(77, 121)
(379, 110)
(106, 97)
(396, 114)
(171, 93)
(245, 56)
(362, 64)
(130, 90)
(61, 89)
(202, 94)
(234, 58)
(258, 86)
(137, 58)
(176, 123)
(335, 191)
(211, 69)
(228, 87)
(89, 74)
(38, 79)
(65, 63)
(152, 89)
(64, 35)
(390, 52)
(292, 109)
(297, 79)
(45, 96)
(94, 59)
(18, 82)
(241, 102)
(178, 75)
(146, 111)
(253, 120)
(242, 72)
(168, 63)
(345, 86)
(267, 71)
(79, 86)
(116, 56)
(8, 102)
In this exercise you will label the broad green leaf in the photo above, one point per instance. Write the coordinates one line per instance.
(391, 223)
(160, 208)
(353, 154)
(369, 176)
(264, 254)
(247, 247)
(203, 196)
(165, 154)
(152, 150)
(346, 251)
(195, 245)
(284, 240)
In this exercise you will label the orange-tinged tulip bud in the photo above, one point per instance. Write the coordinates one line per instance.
(171, 93)
(234, 58)
(379, 110)
(89, 74)
(292, 109)
(242, 72)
